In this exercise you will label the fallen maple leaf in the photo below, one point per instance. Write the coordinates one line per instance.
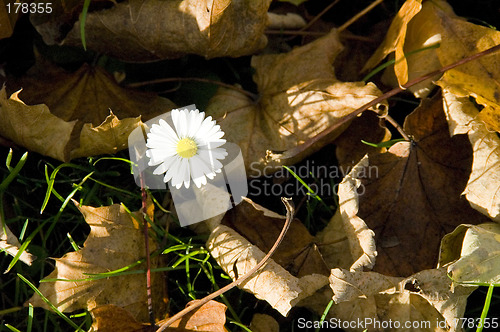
(116, 240)
(299, 98)
(483, 186)
(410, 195)
(85, 113)
(209, 317)
(148, 30)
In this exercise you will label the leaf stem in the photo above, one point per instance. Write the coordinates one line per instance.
(289, 217)
(397, 126)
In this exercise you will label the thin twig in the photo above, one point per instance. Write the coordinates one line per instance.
(192, 79)
(358, 15)
(289, 217)
(294, 151)
(148, 260)
(397, 126)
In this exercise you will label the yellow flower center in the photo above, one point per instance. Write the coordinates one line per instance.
(186, 148)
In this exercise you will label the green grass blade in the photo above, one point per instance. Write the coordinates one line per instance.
(12, 328)
(325, 312)
(385, 144)
(24, 246)
(486, 308)
(73, 243)
(50, 181)
(13, 171)
(83, 18)
(30, 318)
(311, 192)
(53, 307)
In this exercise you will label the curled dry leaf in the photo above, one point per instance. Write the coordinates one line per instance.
(425, 296)
(236, 255)
(411, 194)
(472, 254)
(297, 253)
(360, 237)
(299, 97)
(334, 243)
(483, 186)
(73, 115)
(149, 30)
(116, 240)
(111, 318)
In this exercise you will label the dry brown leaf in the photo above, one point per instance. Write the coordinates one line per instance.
(209, 317)
(411, 194)
(88, 113)
(425, 296)
(483, 186)
(115, 241)
(148, 30)
(272, 283)
(297, 252)
(30, 126)
(472, 254)
(299, 98)
(361, 238)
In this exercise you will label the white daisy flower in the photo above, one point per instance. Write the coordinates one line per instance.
(190, 151)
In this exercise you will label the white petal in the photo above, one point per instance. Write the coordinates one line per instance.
(185, 171)
(206, 126)
(194, 123)
(172, 170)
(197, 171)
(211, 145)
(180, 122)
(164, 166)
